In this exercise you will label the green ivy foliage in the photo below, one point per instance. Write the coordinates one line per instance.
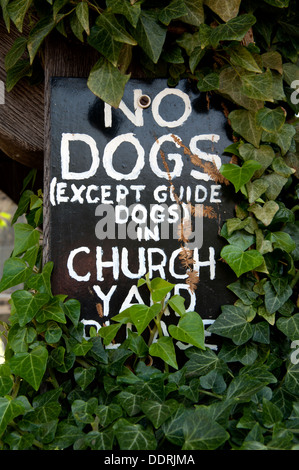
(200, 39)
(60, 390)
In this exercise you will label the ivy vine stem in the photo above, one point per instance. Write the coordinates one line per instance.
(211, 394)
(16, 386)
(53, 378)
(294, 280)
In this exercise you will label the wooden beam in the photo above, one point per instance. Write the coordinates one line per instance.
(22, 114)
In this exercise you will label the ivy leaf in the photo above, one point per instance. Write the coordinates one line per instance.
(9, 410)
(241, 261)
(136, 343)
(239, 238)
(125, 316)
(108, 414)
(272, 60)
(53, 332)
(76, 27)
(164, 349)
(230, 84)
(290, 72)
(278, 3)
(52, 311)
(240, 56)
(177, 303)
(232, 323)
(244, 386)
(190, 330)
(195, 12)
(6, 384)
(292, 379)
(239, 175)
(276, 183)
(271, 414)
(66, 435)
(109, 23)
(174, 10)
(189, 41)
(100, 440)
(281, 168)
(23, 205)
(133, 436)
(107, 36)
(243, 289)
(256, 189)
(30, 366)
(202, 361)
(289, 326)
(141, 315)
(17, 10)
(258, 85)
(83, 376)
(15, 271)
(226, 9)
(234, 30)
(214, 381)
(246, 353)
(25, 237)
(27, 305)
(200, 433)
(57, 7)
(15, 53)
(261, 333)
(244, 123)
(271, 120)
(158, 412)
(44, 420)
(208, 82)
(293, 230)
(108, 333)
(262, 245)
(6, 18)
(173, 427)
(194, 59)
(282, 240)
(282, 138)
(160, 289)
(150, 34)
(124, 7)
(72, 308)
(83, 410)
(42, 281)
(273, 299)
(130, 402)
(81, 349)
(106, 82)
(266, 212)
(37, 35)
(82, 12)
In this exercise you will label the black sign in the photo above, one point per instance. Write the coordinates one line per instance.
(136, 190)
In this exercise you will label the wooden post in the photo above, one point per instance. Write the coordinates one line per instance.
(62, 59)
